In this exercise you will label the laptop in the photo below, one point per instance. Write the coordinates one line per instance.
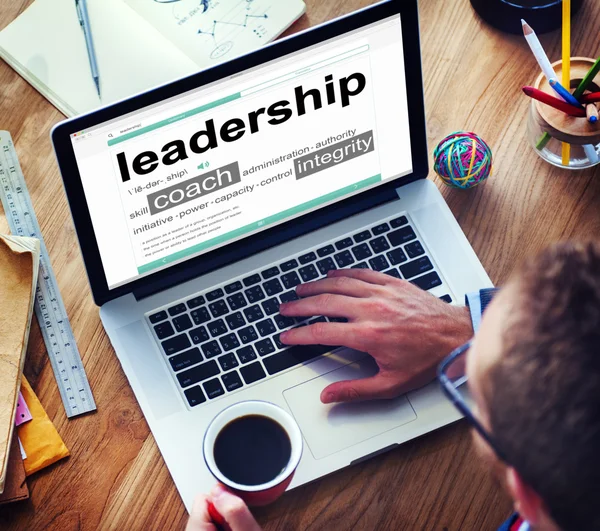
(201, 204)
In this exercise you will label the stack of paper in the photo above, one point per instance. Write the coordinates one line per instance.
(19, 262)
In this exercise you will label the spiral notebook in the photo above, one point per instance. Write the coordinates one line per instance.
(139, 44)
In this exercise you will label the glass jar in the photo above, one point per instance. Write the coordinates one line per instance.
(548, 128)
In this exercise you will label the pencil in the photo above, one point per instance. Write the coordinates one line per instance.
(545, 65)
(591, 113)
(538, 51)
(564, 93)
(589, 77)
(548, 99)
(591, 154)
(592, 97)
(566, 65)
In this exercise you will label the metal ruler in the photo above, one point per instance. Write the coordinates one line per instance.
(49, 307)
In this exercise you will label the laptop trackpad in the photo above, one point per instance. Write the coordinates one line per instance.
(330, 428)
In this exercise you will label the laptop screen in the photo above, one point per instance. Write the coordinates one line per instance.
(210, 167)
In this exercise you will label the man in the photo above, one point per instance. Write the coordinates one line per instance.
(533, 372)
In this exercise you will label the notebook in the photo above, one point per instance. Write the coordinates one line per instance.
(139, 43)
(19, 261)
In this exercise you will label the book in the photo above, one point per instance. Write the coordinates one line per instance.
(139, 44)
(19, 263)
(15, 488)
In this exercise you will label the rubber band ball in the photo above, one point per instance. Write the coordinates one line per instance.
(463, 160)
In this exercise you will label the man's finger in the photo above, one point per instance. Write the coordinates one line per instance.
(199, 518)
(324, 304)
(234, 510)
(333, 334)
(366, 275)
(375, 387)
(341, 285)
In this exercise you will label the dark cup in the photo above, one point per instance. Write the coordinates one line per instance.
(243, 429)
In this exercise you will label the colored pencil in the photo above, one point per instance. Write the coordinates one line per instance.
(589, 77)
(564, 93)
(543, 141)
(545, 64)
(566, 67)
(538, 51)
(592, 97)
(591, 153)
(591, 113)
(548, 99)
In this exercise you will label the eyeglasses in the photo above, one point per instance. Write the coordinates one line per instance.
(453, 378)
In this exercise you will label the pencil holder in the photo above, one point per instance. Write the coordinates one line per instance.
(548, 128)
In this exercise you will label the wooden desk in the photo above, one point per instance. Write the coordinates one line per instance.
(116, 478)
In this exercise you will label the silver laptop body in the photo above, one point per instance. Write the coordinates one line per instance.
(194, 339)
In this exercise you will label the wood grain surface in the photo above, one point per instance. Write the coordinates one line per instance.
(116, 478)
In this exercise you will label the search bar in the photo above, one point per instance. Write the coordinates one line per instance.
(123, 130)
(305, 70)
(164, 111)
(138, 130)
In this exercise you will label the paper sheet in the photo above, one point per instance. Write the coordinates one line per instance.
(23, 454)
(46, 46)
(23, 414)
(213, 31)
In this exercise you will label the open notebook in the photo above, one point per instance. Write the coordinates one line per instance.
(139, 43)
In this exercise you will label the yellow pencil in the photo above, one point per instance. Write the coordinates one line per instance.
(566, 65)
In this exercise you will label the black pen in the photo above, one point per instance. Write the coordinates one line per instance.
(84, 20)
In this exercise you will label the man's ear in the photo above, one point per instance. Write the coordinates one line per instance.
(527, 502)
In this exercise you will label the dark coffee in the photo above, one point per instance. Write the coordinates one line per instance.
(252, 450)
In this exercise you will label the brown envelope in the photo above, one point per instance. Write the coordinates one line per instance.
(15, 487)
(19, 259)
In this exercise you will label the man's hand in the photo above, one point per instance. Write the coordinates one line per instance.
(408, 331)
(232, 509)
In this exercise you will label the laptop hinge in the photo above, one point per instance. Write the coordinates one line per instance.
(190, 273)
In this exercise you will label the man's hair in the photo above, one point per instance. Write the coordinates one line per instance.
(544, 396)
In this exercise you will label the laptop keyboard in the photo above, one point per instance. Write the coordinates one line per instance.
(226, 338)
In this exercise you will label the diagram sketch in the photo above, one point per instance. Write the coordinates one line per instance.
(210, 31)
